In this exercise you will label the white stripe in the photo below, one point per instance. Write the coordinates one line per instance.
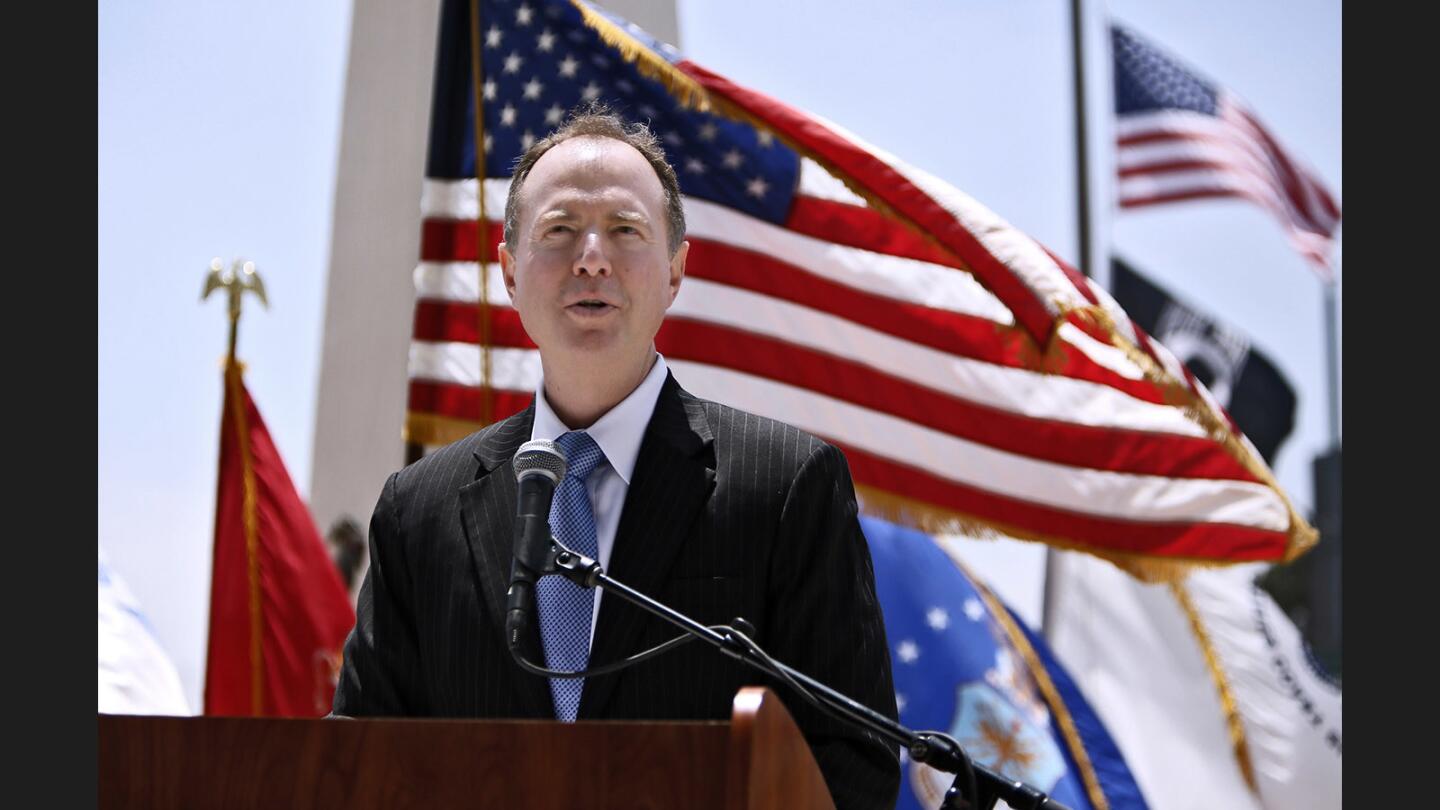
(816, 181)
(1102, 354)
(1029, 393)
(895, 277)
(1101, 493)
(459, 363)
(909, 280)
(1154, 153)
(458, 281)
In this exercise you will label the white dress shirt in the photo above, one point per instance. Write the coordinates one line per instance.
(618, 434)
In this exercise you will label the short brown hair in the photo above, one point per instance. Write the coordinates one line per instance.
(597, 120)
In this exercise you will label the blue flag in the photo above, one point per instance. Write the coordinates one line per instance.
(964, 664)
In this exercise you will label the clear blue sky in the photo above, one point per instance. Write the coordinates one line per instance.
(219, 131)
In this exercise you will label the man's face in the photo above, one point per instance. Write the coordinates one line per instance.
(590, 273)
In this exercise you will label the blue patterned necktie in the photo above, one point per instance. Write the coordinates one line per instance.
(566, 608)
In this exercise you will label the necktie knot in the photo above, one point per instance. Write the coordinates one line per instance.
(582, 454)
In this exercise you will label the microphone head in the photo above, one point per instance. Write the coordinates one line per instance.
(540, 457)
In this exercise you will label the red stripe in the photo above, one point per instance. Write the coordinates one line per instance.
(864, 228)
(1217, 541)
(1139, 452)
(463, 401)
(888, 185)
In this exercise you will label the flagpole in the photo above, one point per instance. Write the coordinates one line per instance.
(1332, 357)
(1082, 263)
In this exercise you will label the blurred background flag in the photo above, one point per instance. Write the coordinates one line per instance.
(974, 381)
(1206, 686)
(136, 675)
(279, 614)
(1180, 137)
(965, 665)
(1242, 378)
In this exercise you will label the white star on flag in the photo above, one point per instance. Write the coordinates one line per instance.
(733, 159)
(546, 41)
(533, 88)
(937, 618)
(708, 131)
(523, 15)
(527, 140)
(513, 62)
(756, 188)
(568, 66)
(507, 116)
(908, 651)
(899, 702)
(591, 92)
(490, 89)
(764, 137)
(554, 115)
(974, 609)
(694, 165)
(648, 111)
(492, 37)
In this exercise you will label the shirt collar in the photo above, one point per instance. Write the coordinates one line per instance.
(620, 431)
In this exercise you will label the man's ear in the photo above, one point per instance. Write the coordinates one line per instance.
(677, 269)
(507, 269)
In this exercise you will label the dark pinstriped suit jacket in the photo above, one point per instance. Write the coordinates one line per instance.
(727, 514)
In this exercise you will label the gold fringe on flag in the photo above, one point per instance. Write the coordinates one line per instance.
(1239, 745)
(235, 393)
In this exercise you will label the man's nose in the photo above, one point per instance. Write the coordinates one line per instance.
(592, 260)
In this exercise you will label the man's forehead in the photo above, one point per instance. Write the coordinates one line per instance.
(591, 161)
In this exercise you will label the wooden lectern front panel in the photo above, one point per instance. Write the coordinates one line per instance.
(188, 762)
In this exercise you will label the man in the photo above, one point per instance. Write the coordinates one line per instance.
(713, 511)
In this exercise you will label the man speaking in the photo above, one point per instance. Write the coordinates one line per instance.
(716, 512)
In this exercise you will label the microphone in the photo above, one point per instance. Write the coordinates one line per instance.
(539, 466)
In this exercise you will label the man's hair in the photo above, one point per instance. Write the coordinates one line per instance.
(597, 120)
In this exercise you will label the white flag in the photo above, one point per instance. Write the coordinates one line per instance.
(1206, 687)
(136, 677)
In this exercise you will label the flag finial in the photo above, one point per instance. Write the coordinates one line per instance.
(240, 277)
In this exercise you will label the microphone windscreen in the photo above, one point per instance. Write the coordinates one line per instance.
(541, 457)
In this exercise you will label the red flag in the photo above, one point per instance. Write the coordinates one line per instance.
(278, 611)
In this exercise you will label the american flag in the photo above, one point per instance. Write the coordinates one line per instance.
(974, 381)
(1182, 138)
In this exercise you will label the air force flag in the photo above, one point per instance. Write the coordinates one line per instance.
(965, 665)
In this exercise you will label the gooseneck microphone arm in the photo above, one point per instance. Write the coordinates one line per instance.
(940, 751)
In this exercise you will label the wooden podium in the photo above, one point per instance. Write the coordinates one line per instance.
(757, 760)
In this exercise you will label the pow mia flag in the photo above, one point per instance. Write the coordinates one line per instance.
(1245, 382)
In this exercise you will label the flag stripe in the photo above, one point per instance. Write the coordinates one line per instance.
(847, 380)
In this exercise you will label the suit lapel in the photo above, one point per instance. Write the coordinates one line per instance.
(673, 479)
(488, 511)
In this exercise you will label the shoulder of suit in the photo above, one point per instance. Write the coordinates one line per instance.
(457, 462)
(731, 425)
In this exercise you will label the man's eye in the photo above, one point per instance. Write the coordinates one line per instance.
(627, 229)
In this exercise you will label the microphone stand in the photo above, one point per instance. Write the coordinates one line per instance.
(937, 750)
